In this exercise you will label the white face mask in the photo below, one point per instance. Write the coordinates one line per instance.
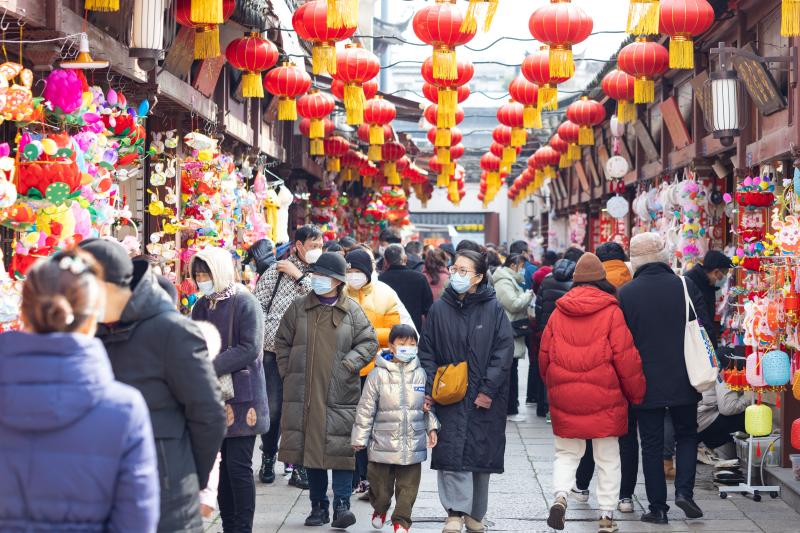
(405, 353)
(356, 280)
(206, 287)
(313, 255)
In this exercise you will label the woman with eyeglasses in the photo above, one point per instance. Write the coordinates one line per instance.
(468, 324)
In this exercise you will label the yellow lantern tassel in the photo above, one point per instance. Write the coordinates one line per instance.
(448, 104)
(334, 164)
(443, 154)
(376, 134)
(206, 42)
(375, 152)
(548, 172)
(316, 129)
(252, 86)
(626, 111)
(347, 174)
(442, 180)
(342, 13)
(644, 91)
(586, 136)
(643, 17)
(323, 59)
(532, 117)
(681, 52)
(790, 18)
(574, 152)
(354, 102)
(287, 109)
(564, 161)
(101, 5)
(493, 180)
(444, 63)
(390, 170)
(561, 62)
(316, 147)
(519, 137)
(470, 23)
(443, 137)
(366, 181)
(452, 188)
(548, 97)
(509, 155)
(491, 11)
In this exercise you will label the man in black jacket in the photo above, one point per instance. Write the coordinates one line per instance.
(655, 310)
(709, 277)
(414, 254)
(412, 287)
(155, 349)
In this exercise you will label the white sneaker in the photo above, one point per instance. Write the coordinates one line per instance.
(578, 495)
(625, 505)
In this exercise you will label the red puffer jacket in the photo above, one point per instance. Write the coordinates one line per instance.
(590, 365)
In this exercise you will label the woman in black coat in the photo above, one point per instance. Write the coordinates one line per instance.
(468, 323)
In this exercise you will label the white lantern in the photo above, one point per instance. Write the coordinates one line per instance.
(147, 32)
(617, 128)
(726, 112)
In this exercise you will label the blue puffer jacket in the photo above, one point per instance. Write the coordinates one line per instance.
(76, 447)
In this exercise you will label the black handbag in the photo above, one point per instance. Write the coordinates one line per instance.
(521, 327)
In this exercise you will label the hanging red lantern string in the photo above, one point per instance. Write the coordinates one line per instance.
(335, 148)
(536, 69)
(351, 162)
(448, 95)
(587, 114)
(316, 145)
(431, 92)
(790, 18)
(443, 172)
(502, 136)
(643, 17)
(287, 82)
(562, 147)
(253, 54)
(507, 154)
(527, 94)
(377, 114)
(315, 106)
(619, 85)
(439, 25)
(443, 143)
(434, 116)
(511, 115)
(368, 171)
(342, 13)
(392, 152)
(470, 23)
(644, 60)
(682, 20)
(548, 159)
(354, 67)
(204, 16)
(561, 24)
(364, 136)
(490, 164)
(570, 133)
(310, 21)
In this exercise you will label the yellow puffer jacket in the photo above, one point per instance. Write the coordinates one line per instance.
(379, 302)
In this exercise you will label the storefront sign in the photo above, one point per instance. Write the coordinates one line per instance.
(759, 82)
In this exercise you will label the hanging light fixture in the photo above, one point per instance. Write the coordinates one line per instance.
(84, 59)
(146, 38)
(728, 113)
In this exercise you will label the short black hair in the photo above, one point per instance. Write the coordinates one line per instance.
(477, 259)
(573, 254)
(307, 232)
(347, 243)
(394, 254)
(333, 246)
(389, 235)
(514, 259)
(549, 258)
(518, 247)
(609, 251)
(414, 247)
(493, 259)
(467, 244)
(404, 332)
(199, 266)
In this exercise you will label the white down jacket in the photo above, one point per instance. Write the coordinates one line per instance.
(390, 420)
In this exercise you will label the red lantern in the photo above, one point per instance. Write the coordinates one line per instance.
(548, 160)
(354, 67)
(342, 13)
(536, 69)
(682, 20)
(335, 148)
(310, 21)
(570, 133)
(377, 114)
(644, 60)
(434, 116)
(287, 82)
(253, 54)
(511, 115)
(351, 162)
(370, 89)
(368, 172)
(315, 106)
(392, 152)
(206, 36)
(619, 85)
(587, 114)
(431, 92)
(560, 24)
(490, 163)
(457, 152)
(439, 25)
(447, 96)
(443, 140)
(527, 94)
(643, 17)
(363, 133)
(562, 147)
(305, 129)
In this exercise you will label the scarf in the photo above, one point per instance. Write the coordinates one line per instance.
(224, 294)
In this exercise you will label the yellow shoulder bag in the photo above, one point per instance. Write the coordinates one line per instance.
(450, 383)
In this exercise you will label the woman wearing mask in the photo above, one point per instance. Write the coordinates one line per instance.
(323, 341)
(469, 325)
(436, 261)
(62, 412)
(508, 281)
(237, 315)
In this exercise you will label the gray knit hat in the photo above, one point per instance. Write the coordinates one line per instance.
(648, 248)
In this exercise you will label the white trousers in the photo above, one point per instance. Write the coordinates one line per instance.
(607, 462)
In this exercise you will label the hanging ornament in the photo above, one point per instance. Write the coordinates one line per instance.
(287, 82)
(342, 13)
(204, 16)
(562, 147)
(377, 114)
(790, 18)
(363, 134)
(561, 24)
(490, 164)
(682, 20)
(548, 159)
(432, 93)
(511, 114)
(315, 106)
(439, 25)
(316, 145)
(443, 140)
(527, 94)
(619, 85)
(643, 17)
(536, 69)
(435, 117)
(392, 152)
(335, 148)
(101, 5)
(354, 67)
(470, 23)
(644, 60)
(253, 54)
(570, 133)
(587, 114)
(311, 23)
(508, 154)
(448, 94)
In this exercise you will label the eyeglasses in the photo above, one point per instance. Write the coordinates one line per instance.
(461, 271)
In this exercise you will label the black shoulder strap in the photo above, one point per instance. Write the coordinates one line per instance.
(233, 316)
(274, 292)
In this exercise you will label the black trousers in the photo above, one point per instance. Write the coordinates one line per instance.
(719, 432)
(651, 432)
(513, 389)
(629, 460)
(237, 488)
(269, 440)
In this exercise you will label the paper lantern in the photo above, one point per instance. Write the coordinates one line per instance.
(354, 67)
(682, 20)
(560, 24)
(440, 25)
(377, 114)
(435, 117)
(758, 420)
(527, 94)
(644, 60)
(147, 32)
(314, 107)
(777, 368)
(536, 69)
(587, 114)
(392, 152)
(507, 154)
(448, 89)
(795, 434)
(562, 147)
(287, 82)
(342, 13)
(316, 146)
(335, 148)
(548, 160)
(490, 164)
(253, 54)
(754, 371)
(511, 114)
(619, 85)
(204, 16)
(643, 17)
(443, 140)
(570, 133)
(311, 23)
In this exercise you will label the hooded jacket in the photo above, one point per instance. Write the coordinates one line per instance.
(379, 302)
(390, 419)
(76, 447)
(514, 299)
(554, 286)
(590, 366)
(617, 272)
(475, 330)
(163, 354)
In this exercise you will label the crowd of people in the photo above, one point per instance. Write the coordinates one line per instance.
(347, 364)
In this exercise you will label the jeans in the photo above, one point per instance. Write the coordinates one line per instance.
(400, 481)
(269, 440)
(513, 389)
(237, 488)
(568, 456)
(719, 432)
(318, 486)
(629, 461)
(651, 432)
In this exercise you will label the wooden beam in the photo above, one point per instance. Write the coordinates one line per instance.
(581, 172)
(32, 12)
(187, 96)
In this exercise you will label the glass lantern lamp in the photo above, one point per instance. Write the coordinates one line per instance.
(725, 96)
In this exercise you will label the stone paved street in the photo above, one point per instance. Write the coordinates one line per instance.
(519, 499)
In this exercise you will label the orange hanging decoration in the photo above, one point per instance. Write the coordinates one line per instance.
(682, 20)
(643, 17)
(644, 60)
(587, 114)
(620, 86)
(287, 82)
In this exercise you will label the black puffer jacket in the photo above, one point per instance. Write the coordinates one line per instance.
(555, 285)
(709, 293)
(477, 330)
(163, 355)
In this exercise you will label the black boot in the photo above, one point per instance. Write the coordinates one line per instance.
(657, 516)
(689, 507)
(319, 515)
(343, 517)
(266, 474)
(299, 478)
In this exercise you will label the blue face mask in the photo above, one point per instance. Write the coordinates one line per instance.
(321, 285)
(460, 284)
(405, 353)
(206, 287)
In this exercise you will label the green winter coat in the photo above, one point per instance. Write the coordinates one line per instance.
(515, 301)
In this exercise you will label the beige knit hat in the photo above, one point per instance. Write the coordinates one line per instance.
(648, 248)
(589, 268)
